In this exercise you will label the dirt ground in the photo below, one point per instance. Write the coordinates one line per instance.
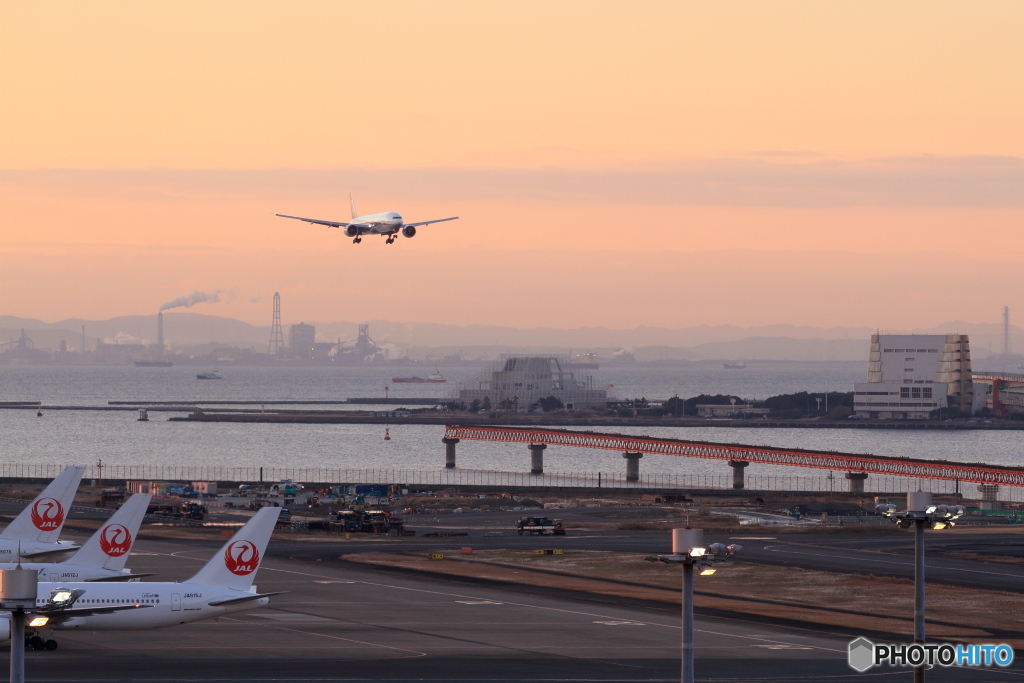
(878, 604)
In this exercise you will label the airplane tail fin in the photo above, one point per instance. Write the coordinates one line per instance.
(352, 203)
(43, 519)
(234, 566)
(110, 546)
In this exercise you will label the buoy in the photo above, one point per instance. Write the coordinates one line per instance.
(387, 434)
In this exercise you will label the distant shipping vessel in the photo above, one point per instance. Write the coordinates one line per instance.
(435, 378)
(153, 363)
(584, 361)
(734, 366)
(210, 374)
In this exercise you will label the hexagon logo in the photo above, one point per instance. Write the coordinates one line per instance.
(862, 655)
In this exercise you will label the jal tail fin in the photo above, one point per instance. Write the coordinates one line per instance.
(110, 546)
(234, 566)
(43, 519)
(352, 203)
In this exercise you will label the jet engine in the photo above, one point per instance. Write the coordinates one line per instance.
(352, 231)
(409, 231)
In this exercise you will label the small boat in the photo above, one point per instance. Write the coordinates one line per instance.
(209, 374)
(734, 366)
(434, 378)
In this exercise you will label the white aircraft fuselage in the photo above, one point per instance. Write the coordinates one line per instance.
(9, 549)
(165, 604)
(64, 571)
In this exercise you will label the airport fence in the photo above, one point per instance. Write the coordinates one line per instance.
(874, 484)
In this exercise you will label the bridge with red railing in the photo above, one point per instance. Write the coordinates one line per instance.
(738, 455)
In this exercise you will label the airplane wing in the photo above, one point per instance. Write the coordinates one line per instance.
(247, 598)
(122, 577)
(60, 615)
(439, 220)
(44, 553)
(329, 224)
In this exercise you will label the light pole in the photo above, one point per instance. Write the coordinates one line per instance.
(688, 549)
(920, 513)
(17, 592)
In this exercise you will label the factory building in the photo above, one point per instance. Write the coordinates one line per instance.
(303, 341)
(911, 376)
(519, 382)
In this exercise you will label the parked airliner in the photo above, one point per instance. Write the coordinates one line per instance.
(223, 586)
(387, 224)
(103, 556)
(34, 532)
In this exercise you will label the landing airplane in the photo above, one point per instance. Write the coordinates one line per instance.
(103, 556)
(34, 532)
(223, 586)
(388, 224)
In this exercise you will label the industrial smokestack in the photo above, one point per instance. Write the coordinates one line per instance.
(160, 330)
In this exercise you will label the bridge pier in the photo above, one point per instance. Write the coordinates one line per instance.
(856, 480)
(632, 465)
(737, 472)
(537, 458)
(449, 452)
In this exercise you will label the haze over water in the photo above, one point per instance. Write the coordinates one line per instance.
(119, 439)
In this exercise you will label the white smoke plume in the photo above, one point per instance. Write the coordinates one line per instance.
(192, 299)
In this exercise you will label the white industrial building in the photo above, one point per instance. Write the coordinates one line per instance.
(517, 382)
(912, 375)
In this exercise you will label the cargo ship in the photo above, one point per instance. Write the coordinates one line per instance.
(435, 378)
(734, 366)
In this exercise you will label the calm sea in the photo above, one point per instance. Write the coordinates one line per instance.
(118, 438)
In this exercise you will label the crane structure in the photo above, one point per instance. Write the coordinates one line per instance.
(276, 346)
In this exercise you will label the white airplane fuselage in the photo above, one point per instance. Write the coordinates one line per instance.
(387, 223)
(168, 604)
(9, 549)
(62, 571)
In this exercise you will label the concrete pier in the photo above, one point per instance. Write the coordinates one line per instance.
(537, 458)
(632, 465)
(737, 472)
(449, 452)
(857, 480)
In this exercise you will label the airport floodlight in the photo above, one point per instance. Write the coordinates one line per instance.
(688, 549)
(921, 512)
(62, 598)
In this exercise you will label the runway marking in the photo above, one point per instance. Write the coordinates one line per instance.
(516, 604)
(339, 581)
(294, 617)
(781, 549)
(417, 653)
(620, 623)
(784, 647)
(479, 602)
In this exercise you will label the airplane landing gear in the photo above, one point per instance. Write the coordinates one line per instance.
(37, 643)
(389, 240)
(357, 240)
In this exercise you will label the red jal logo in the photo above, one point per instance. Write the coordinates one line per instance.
(115, 540)
(242, 557)
(47, 514)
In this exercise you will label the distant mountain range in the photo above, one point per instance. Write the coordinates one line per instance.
(701, 342)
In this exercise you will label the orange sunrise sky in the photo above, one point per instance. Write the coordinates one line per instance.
(614, 164)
